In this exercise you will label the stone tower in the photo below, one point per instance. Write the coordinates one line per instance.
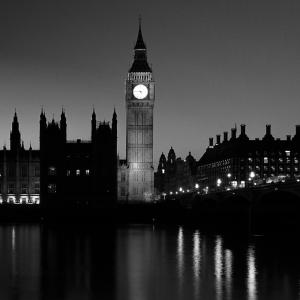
(140, 95)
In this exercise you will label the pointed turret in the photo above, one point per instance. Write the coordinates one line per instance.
(15, 136)
(63, 124)
(114, 124)
(140, 63)
(94, 123)
(162, 162)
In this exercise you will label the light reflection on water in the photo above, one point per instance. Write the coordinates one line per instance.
(219, 267)
(251, 277)
(180, 253)
(228, 272)
(142, 263)
(196, 261)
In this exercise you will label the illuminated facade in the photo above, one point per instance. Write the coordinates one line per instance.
(19, 171)
(78, 173)
(239, 161)
(140, 95)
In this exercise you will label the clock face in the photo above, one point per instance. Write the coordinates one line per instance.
(140, 91)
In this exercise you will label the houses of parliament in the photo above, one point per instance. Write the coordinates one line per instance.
(77, 173)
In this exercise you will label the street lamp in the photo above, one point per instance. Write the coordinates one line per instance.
(197, 186)
(219, 181)
(252, 174)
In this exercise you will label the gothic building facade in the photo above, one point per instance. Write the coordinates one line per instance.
(19, 171)
(136, 176)
(81, 172)
(174, 173)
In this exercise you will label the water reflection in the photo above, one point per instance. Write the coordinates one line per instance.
(180, 254)
(196, 262)
(251, 276)
(219, 266)
(20, 262)
(139, 263)
(196, 254)
(228, 273)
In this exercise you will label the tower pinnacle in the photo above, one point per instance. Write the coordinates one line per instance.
(140, 63)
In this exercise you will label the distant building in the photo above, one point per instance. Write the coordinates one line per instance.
(174, 173)
(78, 173)
(19, 171)
(240, 161)
(140, 96)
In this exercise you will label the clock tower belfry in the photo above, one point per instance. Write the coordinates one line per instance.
(140, 95)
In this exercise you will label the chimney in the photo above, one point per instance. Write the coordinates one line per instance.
(243, 129)
(225, 136)
(288, 138)
(298, 130)
(268, 129)
(218, 139)
(211, 142)
(233, 133)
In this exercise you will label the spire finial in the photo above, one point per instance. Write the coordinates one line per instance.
(140, 22)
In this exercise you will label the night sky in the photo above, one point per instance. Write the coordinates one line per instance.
(215, 62)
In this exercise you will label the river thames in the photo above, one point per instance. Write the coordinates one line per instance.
(141, 262)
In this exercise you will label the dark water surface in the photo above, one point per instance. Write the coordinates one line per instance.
(140, 262)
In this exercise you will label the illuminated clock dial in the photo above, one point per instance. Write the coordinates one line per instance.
(140, 91)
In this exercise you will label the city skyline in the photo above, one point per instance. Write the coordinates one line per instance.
(215, 65)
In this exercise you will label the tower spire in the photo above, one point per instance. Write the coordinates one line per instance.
(140, 63)
(140, 45)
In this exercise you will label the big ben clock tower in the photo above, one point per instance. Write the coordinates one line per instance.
(140, 95)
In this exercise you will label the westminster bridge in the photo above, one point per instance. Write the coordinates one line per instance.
(269, 205)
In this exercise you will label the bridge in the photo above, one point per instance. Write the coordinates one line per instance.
(271, 205)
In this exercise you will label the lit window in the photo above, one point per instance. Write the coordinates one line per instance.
(266, 160)
(87, 172)
(287, 153)
(52, 188)
(52, 171)
(163, 171)
(77, 172)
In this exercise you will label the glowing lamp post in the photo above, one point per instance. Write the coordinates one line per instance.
(196, 186)
(251, 176)
(219, 182)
